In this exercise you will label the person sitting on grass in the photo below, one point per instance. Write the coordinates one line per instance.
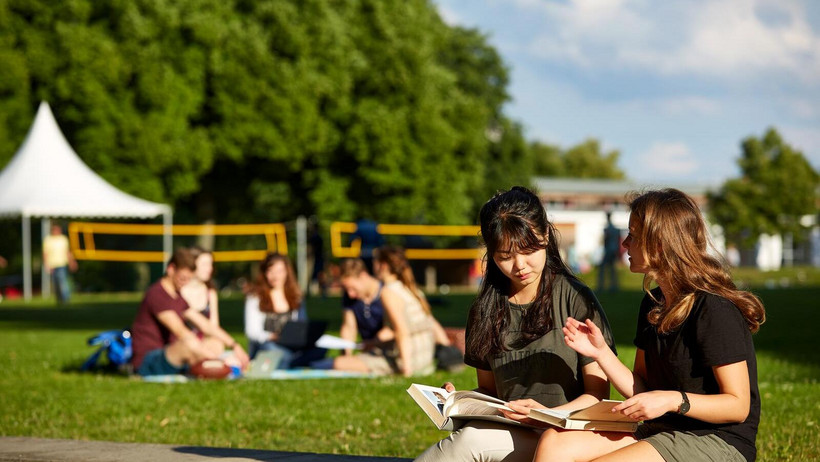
(403, 341)
(694, 382)
(275, 300)
(162, 342)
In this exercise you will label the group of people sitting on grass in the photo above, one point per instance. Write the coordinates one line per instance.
(177, 324)
(538, 337)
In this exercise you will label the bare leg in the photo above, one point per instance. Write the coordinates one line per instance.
(569, 445)
(641, 450)
(350, 363)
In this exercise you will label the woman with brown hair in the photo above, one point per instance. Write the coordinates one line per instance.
(274, 300)
(694, 382)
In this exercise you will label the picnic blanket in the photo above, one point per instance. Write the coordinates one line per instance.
(288, 374)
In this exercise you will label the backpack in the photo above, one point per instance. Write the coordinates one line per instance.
(115, 343)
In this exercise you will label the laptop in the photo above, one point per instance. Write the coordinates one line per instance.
(300, 335)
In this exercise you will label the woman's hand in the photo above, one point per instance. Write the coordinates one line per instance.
(521, 408)
(449, 387)
(649, 405)
(584, 337)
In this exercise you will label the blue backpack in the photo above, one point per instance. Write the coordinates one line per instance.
(115, 343)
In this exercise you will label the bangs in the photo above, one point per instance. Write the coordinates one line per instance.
(512, 234)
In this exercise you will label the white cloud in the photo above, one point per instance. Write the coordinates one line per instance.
(670, 158)
(690, 105)
(449, 16)
(728, 39)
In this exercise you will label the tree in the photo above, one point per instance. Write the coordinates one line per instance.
(585, 160)
(240, 110)
(776, 188)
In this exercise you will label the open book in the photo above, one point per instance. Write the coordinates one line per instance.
(597, 417)
(443, 406)
(449, 410)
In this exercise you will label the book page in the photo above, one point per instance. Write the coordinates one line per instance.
(474, 407)
(600, 411)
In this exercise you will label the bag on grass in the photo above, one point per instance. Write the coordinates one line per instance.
(449, 358)
(115, 343)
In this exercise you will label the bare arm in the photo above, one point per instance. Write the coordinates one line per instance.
(349, 330)
(596, 388)
(438, 331)
(213, 299)
(729, 406)
(174, 323)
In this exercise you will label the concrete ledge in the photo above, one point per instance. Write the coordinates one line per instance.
(23, 449)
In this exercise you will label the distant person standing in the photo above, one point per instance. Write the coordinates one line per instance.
(612, 247)
(58, 260)
(370, 239)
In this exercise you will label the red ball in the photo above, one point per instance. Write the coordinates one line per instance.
(210, 369)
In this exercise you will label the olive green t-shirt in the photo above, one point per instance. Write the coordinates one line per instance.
(546, 369)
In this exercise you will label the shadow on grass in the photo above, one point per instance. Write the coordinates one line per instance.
(258, 454)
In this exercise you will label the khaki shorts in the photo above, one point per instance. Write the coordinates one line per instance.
(386, 361)
(682, 446)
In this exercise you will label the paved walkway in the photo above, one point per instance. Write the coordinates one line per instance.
(20, 449)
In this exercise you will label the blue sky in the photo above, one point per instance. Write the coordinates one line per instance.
(675, 85)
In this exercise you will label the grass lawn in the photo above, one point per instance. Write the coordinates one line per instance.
(42, 395)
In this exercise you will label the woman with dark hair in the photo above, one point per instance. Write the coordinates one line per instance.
(514, 337)
(274, 300)
(694, 382)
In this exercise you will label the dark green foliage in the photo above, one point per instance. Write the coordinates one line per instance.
(776, 188)
(246, 111)
(584, 160)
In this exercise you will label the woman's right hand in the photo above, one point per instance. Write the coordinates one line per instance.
(449, 387)
(584, 337)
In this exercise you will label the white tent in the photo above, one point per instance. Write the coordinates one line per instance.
(46, 178)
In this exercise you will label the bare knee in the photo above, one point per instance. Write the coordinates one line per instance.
(551, 448)
(349, 363)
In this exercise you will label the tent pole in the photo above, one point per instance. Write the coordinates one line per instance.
(301, 252)
(45, 278)
(167, 235)
(26, 258)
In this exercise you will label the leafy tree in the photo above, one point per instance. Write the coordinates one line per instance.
(776, 188)
(585, 160)
(243, 110)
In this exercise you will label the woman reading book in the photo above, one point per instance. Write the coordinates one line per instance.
(694, 381)
(514, 337)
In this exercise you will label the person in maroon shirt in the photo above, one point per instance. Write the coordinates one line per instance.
(162, 342)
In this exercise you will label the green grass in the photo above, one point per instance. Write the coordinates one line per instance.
(42, 395)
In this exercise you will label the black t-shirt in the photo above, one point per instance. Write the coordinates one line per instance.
(714, 334)
(546, 369)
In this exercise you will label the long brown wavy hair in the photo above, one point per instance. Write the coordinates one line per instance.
(261, 287)
(676, 247)
(396, 262)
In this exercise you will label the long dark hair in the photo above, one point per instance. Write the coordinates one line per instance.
(515, 221)
(261, 287)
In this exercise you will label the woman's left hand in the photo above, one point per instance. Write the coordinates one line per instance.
(649, 405)
(522, 410)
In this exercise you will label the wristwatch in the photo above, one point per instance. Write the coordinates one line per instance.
(684, 405)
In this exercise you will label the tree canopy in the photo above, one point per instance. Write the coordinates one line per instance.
(584, 160)
(777, 186)
(240, 110)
